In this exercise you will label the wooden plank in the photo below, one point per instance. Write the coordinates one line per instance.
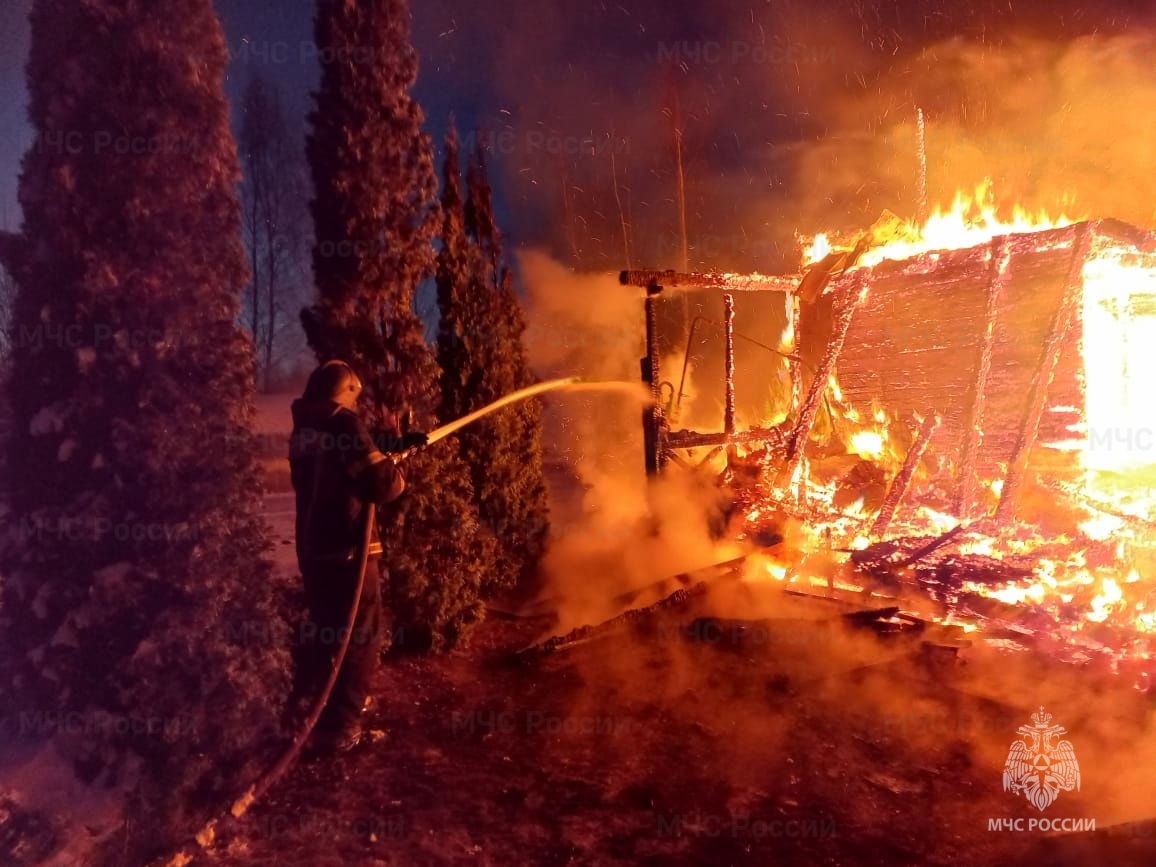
(849, 297)
(1067, 312)
(917, 344)
(902, 480)
(973, 430)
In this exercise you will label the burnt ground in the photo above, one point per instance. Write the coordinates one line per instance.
(794, 745)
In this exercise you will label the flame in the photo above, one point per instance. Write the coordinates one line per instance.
(1016, 595)
(776, 571)
(1119, 322)
(819, 248)
(1108, 513)
(1146, 622)
(972, 219)
(1110, 597)
(867, 443)
(835, 391)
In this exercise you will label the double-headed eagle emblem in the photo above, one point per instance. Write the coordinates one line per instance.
(1039, 768)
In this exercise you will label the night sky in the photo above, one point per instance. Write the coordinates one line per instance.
(555, 85)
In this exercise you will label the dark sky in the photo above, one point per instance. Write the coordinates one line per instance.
(14, 134)
(556, 85)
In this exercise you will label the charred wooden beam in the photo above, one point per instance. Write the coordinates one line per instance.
(871, 614)
(796, 372)
(726, 282)
(921, 151)
(766, 632)
(973, 431)
(1041, 382)
(653, 421)
(729, 363)
(885, 554)
(623, 621)
(796, 364)
(931, 547)
(875, 553)
(727, 568)
(902, 480)
(690, 584)
(846, 302)
(689, 439)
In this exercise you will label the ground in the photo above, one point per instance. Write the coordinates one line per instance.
(794, 743)
(793, 740)
(654, 746)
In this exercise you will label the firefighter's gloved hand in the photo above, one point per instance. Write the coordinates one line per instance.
(405, 442)
(414, 440)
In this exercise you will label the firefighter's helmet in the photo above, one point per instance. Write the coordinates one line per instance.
(336, 381)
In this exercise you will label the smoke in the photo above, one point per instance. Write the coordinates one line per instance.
(793, 668)
(589, 326)
(1054, 124)
(621, 533)
(793, 117)
(1055, 127)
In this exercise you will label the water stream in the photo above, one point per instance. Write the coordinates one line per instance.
(569, 383)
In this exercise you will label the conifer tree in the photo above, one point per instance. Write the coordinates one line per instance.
(137, 604)
(483, 358)
(460, 319)
(375, 215)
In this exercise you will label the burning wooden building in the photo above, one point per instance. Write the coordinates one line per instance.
(1031, 348)
(1015, 366)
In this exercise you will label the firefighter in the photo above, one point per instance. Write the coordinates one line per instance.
(337, 469)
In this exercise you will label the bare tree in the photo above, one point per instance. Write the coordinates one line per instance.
(676, 129)
(7, 294)
(622, 217)
(7, 286)
(274, 199)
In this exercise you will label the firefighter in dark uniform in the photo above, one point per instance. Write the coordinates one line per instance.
(337, 470)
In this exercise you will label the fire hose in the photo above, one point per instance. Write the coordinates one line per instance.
(266, 781)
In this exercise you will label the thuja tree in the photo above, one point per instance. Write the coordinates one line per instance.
(481, 351)
(375, 216)
(137, 614)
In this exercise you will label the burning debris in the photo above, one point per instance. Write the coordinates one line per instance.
(998, 480)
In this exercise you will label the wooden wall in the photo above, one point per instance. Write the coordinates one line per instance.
(915, 343)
